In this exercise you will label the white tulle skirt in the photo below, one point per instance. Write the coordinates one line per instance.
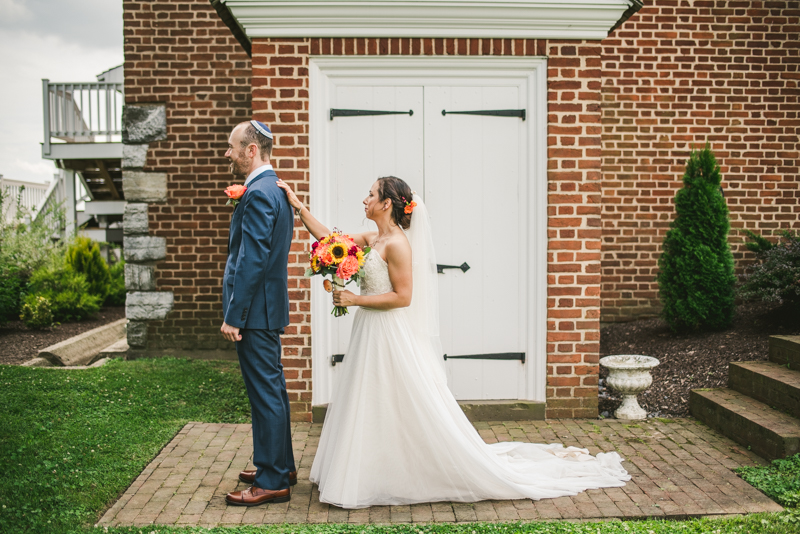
(394, 435)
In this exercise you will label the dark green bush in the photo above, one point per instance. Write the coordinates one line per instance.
(776, 277)
(11, 285)
(36, 312)
(696, 280)
(67, 291)
(83, 256)
(117, 294)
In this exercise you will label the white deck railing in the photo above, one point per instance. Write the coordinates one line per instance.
(82, 112)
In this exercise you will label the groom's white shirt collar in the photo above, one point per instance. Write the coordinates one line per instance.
(256, 173)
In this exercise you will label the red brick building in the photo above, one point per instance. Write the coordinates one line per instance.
(591, 166)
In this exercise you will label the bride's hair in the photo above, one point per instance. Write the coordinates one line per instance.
(400, 194)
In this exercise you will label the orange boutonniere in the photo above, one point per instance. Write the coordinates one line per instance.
(234, 193)
(409, 205)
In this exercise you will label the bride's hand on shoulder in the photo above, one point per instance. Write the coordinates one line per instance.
(344, 298)
(293, 200)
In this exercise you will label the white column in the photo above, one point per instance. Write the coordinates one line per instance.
(69, 202)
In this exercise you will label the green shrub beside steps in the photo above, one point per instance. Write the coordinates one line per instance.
(696, 279)
(36, 312)
(67, 291)
(83, 256)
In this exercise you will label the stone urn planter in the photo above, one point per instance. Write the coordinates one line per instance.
(629, 374)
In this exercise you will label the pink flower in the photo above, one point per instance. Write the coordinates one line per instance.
(347, 268)
(353, 250)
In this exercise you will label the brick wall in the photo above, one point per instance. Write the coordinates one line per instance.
(280, 98)
(678, 74)
(180, 53)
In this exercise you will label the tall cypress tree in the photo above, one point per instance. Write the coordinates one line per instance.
(696, 277)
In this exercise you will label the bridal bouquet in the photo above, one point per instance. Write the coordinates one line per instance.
(339, 256)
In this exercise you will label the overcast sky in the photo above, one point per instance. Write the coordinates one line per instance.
(62, 40)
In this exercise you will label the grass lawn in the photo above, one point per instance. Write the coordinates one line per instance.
(72, 441)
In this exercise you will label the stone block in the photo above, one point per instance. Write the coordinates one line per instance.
(144, 123)
(140, 277)
(134, 156)
(84, 348)
(134, 220)
(144, 249)
(141, 186)
(148, 305)
(137, 334)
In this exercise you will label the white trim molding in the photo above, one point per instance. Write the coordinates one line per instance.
(506, 19)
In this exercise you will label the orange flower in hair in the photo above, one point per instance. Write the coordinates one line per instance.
(409, 205)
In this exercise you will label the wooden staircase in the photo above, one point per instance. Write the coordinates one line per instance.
(760, 408)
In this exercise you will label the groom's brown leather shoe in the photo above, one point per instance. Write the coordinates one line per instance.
(249, 477)
(254, 496)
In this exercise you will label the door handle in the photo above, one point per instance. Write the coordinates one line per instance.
(440, 268)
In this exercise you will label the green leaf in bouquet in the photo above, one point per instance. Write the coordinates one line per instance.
(309, 272)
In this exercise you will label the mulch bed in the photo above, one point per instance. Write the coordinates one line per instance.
(18, 343)
(691, 360)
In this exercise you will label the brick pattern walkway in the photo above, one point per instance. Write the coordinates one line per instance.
(679, 469)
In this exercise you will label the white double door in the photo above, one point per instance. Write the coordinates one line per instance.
(473, 173)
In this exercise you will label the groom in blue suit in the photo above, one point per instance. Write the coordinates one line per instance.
(255, 303)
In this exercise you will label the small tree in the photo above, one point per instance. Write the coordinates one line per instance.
(84, 257)
(696, 279)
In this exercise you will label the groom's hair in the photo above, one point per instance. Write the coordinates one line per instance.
(251, 135)
(399, 192)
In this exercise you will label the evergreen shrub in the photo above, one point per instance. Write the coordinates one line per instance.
(696, 280)
(83, 256)
(11, 285)
(67, 291)
(776, 277)
(117, 293)
(36, 312)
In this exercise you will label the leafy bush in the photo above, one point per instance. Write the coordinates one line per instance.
(11, 285)
(696, 279)
(67, 291)
(36, 312)
(83, 255)
(776, 278)
(780, 480)
(117, 294)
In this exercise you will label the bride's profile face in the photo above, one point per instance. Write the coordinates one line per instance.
(372, 204)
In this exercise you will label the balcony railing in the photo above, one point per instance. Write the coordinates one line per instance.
(87, 112)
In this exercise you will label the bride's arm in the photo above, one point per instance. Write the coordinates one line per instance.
(398, 257)
(316, 228)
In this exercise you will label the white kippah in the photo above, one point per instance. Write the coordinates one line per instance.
(262, 128)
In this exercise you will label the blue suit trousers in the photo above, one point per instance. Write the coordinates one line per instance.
(259, 354)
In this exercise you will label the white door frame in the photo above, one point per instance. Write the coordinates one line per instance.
(324, 71)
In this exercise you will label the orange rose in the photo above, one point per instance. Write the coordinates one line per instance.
(410, 207)
(235, 192)
(347, 268)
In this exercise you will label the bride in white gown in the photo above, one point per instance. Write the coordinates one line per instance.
(393, 433)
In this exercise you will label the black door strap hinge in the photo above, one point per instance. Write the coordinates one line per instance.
(490, 113)
(365, 112)
(500, 356)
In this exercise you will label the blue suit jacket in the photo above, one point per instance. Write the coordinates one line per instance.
(254, 292)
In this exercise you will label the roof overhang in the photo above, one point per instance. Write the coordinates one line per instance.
(503, 19)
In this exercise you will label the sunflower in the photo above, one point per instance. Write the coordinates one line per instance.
(360, 257)
(339, 252)
(315, 264)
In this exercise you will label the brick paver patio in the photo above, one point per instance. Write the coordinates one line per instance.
(680, 469)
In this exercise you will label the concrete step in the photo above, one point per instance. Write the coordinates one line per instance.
(768, 382)
(785, 350)
(116, 350)
(769, 433)
(84, 348)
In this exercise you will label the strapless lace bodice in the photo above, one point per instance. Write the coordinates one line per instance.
(376, 275)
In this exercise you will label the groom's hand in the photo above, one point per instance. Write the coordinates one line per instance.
(231, 333)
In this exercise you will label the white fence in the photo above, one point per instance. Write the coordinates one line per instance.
(25, 195)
